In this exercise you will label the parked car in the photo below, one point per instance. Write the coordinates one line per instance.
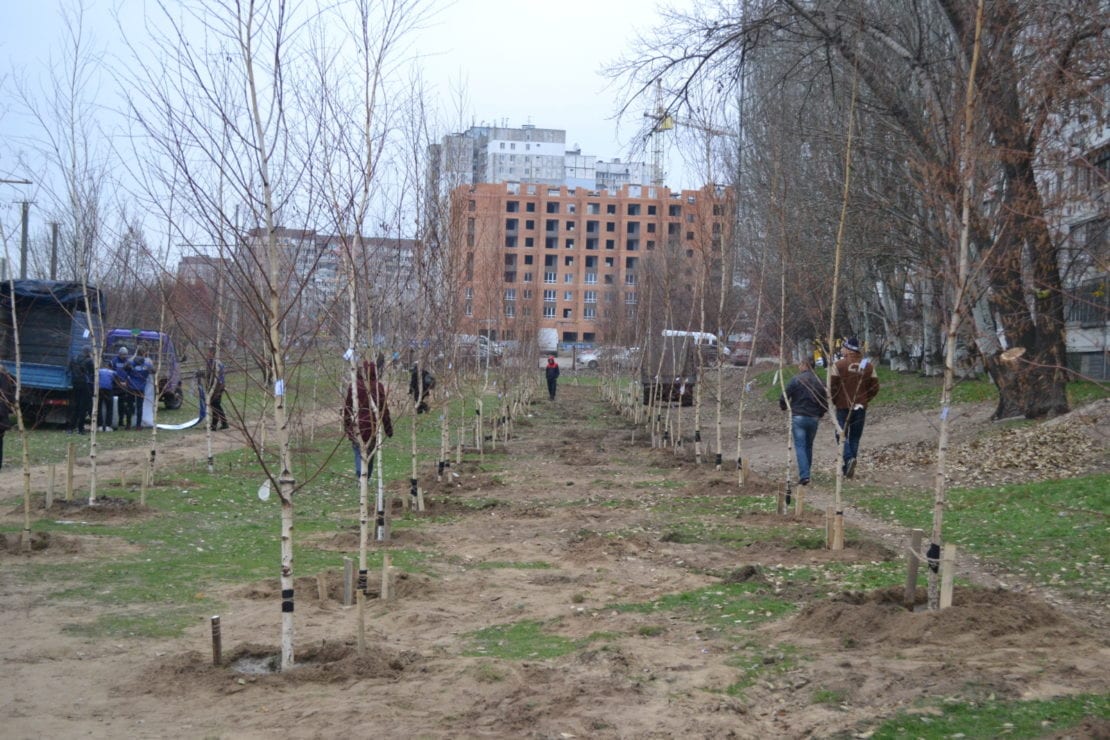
(163, 355)
(591, 358)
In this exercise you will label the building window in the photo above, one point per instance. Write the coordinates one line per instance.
(510, 241)
(527, 277)
(630, 297)
(589, 312)
(611, 208)
(572, 207)
(552, 207)
(549, 311)
(551, 226)
(591, 227)
(468, 308)
(591, 243)
(529, 241)
(650, 244)
(611, 227)
(471, 205)
(591, 278)
(570, 244)
(568, 313)
(568, 295)
(568, 278)
(651, 227)
(549, 278)
(510, 276)
(510, 310)
(549, 296)
(530, 207)
(530, 224)
(591, 262)
(610, 244)
(672, 229)
(527, 293)
(551, 242)
(527, 259)
(469, 294)
(633, 209)
(674, 211)
(632, 245)
(590, 296)
(630, 279)
(512, 206)
(593, 208)
(651, 210)
(510, 294)
(630, 263)
(689, 236)
(569, 225)
(511, 224)
(568, 261)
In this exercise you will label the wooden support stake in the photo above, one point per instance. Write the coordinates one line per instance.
(360, 644)
(799, 504)
(50, 482)
(322, 587)
(217, 641)
(828, 527)
(71, 459)
(385, 595)
(420, 499)
(947, 575)
(838, 531)
(780, 503)
(348, 581)
(909, 599)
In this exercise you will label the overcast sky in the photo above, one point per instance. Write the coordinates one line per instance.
(519, 61)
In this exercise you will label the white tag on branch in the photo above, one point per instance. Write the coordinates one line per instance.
(944, 413)
(279, 387)
(348, 354)
(775, 380)
(85, 334)
(264, 491)
(864, 363)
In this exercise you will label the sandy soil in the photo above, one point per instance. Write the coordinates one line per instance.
(637, 675)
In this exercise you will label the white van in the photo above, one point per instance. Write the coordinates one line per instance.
(711, 351)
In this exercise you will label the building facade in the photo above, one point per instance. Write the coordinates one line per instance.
(533, 256)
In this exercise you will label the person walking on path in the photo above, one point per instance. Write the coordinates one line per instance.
(852, 385)
(805, 398)
(81, 370)
(214, 386)
(552, 373)
(363, 430)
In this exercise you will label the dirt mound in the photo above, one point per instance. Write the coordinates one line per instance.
(105, 509)
(878, 617)
(591, 547)
(252, 663)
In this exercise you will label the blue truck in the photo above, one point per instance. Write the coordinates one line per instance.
(56, 320)
(163, 356)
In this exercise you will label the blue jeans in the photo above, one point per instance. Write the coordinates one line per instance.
(852, 424)
(804, 429)
(358, 461)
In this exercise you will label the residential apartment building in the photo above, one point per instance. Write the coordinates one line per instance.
(533, 256)
(527, 154)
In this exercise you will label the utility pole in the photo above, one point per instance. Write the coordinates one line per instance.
(25, 215)
(53, 250)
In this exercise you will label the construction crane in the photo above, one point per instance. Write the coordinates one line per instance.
(661, 122)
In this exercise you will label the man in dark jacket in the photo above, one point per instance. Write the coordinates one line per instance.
(81, 370)
(852, 384)
(805, 398)
(361, 424)
(7, 406)
(121, 376)
(421, 384)
(137, 377)
(552, 373)
(214, 385)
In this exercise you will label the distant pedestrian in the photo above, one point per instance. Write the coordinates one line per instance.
(421, 384)
(852, 385)
(361, 425)
(81, 369)
(7, 406)
(214, 386)
(138, 376)
(106, 398)
(552, 374)
(806, 400)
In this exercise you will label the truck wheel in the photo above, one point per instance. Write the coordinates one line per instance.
(592, 364)
(174, 400)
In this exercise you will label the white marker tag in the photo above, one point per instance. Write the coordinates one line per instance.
(279, 387)
(348, 354)
(264, 491)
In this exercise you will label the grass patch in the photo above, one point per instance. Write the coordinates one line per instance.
(827, 696)
(162, 623)
(1016, 719)
(721, 607)
(521, 641)
(757, 663)
(1054, 532)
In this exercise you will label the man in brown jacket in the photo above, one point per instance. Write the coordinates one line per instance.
(853, 384)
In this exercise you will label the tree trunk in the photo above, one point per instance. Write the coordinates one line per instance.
(1025, 388)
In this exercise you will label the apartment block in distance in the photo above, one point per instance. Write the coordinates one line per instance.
(531, 256)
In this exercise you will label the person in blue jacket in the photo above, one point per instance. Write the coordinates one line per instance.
(121, 382)
(107, 393)
(136, 383)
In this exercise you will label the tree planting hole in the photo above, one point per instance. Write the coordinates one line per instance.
(257, 665)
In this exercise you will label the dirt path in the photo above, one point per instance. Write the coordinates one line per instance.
(565, 522)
